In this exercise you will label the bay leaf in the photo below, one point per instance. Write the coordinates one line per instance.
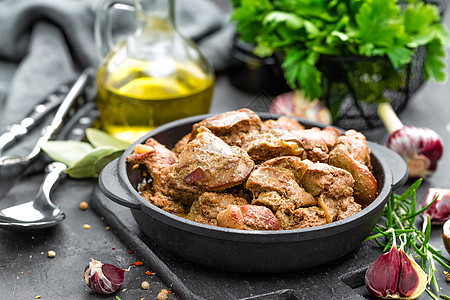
(100, 138)
(101, 162)
(85, 167)
(66, 152)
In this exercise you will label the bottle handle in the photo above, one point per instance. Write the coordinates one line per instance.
(103, 28)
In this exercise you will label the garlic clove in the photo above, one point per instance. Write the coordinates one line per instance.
(439, 211)
(446, 235)
(103, 278)
(413, 280)
(395, 275)
(420, 147)
(383, 274)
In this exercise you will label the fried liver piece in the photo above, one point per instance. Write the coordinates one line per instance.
(207, 163)
(270, 144)
(274, 184)
(353, 155)
(302, 217)
(162, 201)
(248, 217)
(231, 126)
(206, 208)
(331, 186)
(282, 122)
(157, 160)
(317, 143)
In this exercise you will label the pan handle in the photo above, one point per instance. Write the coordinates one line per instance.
(113, 188)
(396, 163)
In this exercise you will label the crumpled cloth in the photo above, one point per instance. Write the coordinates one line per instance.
(45, 43)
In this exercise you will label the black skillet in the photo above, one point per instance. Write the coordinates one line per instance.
(249, 251)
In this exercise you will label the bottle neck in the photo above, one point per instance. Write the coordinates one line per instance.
(156, 15)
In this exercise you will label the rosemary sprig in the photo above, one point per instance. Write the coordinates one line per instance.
(400, 214)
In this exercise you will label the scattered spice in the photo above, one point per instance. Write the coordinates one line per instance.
(148, 273)
(145, 285)
(447, 276)
(107, 227)
(131, 251)
(38, 297)
(86, 226)
(51, 253)
(29, 272)
(162, 295)
(114, 248)
(137, 263)
(83, 205)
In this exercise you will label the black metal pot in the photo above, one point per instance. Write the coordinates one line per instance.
(249, 251)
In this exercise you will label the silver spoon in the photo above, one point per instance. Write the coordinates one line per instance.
(40, 212)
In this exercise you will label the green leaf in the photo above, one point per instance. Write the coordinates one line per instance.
(418, 16)
(435, 62)
(301, 71)
(102, 161)
(66, 152)
(100, 138)
(86, 166)
(399, 56)
(378, 22)
(276, 17)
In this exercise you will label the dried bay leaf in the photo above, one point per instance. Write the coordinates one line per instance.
(66, 152)
(100, 138)
(86, 166)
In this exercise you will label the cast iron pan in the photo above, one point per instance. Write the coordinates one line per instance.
(249, 251)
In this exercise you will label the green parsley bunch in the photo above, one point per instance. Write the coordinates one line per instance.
(303, 30)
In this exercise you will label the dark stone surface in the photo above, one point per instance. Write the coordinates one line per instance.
(26, 271)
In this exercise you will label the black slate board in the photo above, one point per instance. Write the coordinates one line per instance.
(342, 279)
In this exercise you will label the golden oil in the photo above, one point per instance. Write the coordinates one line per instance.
(141, 95)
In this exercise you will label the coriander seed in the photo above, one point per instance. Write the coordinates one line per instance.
(145, 285)
(83, 205)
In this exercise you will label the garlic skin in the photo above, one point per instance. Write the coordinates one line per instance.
(103, 278)
(446, 235)
(420, 147)
(439, 211)
(296, 104)
(395, 275)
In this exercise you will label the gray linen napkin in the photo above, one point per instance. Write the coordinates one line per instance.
(44, 43)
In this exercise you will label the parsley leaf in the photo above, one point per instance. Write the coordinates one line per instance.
(301, 31)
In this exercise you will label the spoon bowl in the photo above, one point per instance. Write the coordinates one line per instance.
(40, 212)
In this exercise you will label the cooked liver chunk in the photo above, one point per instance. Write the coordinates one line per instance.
(353, 155)
(206, 208)
(207, 163)
(274, 143)
(157, 160)
(302, 217)
(323, 178)
(248, 217)
(162, 201)
(282, 181)
(282, 123)
(231, 126)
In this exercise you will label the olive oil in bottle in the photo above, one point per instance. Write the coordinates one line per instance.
(152, 76)
(134, 100)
